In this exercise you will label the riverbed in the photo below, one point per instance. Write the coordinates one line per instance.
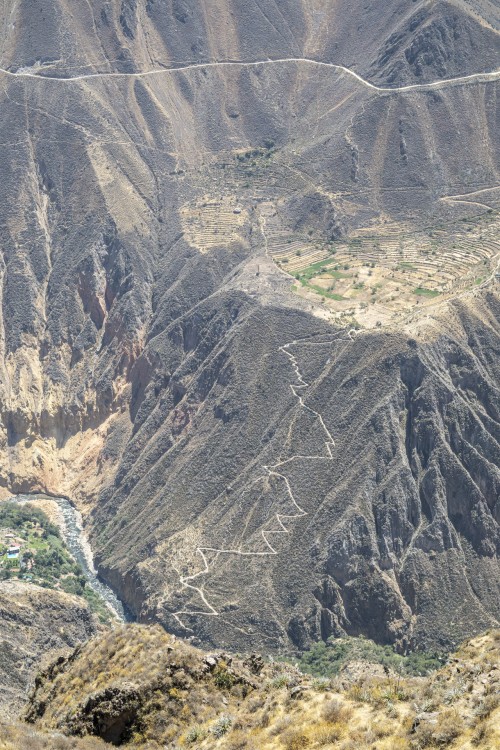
(70, 522)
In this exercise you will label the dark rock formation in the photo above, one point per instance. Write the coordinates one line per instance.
(432, 45)
(36, 624)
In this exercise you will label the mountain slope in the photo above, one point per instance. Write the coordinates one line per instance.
(157, 691)
(249, 472)
(408, 491)
(394, 42)
(37, 624)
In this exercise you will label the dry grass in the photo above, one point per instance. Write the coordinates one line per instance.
(335, 711)
(22, 737)
(178, 702)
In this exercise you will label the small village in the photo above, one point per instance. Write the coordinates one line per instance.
(31, 549)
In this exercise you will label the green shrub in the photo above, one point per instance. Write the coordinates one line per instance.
(223, 677)
(195, 734)
(221, 726)
(321, 683)
(327, 659)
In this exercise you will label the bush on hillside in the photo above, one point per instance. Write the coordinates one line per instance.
(327, 659)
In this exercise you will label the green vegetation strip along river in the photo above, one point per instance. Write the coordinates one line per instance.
(74, 537)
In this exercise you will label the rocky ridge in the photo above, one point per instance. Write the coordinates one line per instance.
(36, 624)
(156, 691)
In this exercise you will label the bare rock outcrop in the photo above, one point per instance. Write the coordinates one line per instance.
(35, 625)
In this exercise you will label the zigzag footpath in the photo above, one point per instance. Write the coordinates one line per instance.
(473, 78)
(271, 471)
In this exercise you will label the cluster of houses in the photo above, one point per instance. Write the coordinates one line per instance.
(17, 553)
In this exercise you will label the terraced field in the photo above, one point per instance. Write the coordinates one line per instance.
(375, 275)
(379, 277)
(210, 223)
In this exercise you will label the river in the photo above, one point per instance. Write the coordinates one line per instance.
(77, 543)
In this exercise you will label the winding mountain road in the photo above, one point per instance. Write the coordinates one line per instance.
(442, 83)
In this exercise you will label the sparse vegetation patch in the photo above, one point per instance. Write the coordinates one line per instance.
(327, 659)
(423, 292)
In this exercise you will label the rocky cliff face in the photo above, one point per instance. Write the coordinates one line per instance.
(250, 474)
(36, 625)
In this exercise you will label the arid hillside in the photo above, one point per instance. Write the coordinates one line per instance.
(36, 625)
(137, 687)
(266, 452)
(393, 42)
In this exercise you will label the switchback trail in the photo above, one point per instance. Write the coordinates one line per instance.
(187, 582)
(473, 78)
